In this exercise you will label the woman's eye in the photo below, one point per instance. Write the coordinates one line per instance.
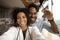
(21, 17)
(17, 18)
(24, 17)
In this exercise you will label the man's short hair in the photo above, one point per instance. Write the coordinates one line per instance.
(33, 5)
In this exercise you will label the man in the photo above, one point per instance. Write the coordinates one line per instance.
(33, 9)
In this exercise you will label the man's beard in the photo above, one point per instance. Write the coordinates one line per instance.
(33, 19)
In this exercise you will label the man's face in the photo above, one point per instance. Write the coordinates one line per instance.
(33, 14)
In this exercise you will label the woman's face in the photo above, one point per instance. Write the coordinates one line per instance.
(21, 19)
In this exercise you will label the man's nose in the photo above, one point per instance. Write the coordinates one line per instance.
(33, 15)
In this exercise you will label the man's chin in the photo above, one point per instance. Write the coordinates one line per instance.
(32, 21)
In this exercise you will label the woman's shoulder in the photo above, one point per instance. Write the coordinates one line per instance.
(13, 27)
(33, 28)
(11, 30)
(9, 34)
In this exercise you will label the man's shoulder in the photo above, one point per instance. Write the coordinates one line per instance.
(32, 27)
(39, 21)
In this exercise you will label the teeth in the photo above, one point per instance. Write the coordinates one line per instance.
(32, 18)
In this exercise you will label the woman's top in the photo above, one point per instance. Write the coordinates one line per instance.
(15, 33)
(24, 33)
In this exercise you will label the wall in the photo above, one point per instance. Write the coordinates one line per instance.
(12, 3)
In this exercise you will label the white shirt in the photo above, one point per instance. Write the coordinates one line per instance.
(12, 33)
(40, 24)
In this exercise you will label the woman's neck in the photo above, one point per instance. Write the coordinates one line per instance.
(24, 28)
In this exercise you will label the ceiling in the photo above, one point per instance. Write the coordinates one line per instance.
(11, 3)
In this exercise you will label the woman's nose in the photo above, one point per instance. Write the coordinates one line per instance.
(21, 19)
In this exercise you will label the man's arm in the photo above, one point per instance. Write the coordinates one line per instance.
(53, 26)
(49, 16)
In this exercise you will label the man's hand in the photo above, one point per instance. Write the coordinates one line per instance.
(48, 15)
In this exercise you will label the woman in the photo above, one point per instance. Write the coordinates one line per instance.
(21, 30)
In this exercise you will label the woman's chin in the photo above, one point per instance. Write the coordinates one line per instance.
(22, 24)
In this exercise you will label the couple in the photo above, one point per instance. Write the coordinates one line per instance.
(22, 29)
